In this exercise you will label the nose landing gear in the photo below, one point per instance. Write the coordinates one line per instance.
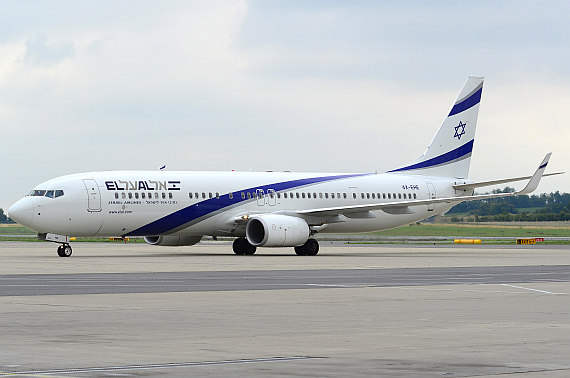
(64, 250)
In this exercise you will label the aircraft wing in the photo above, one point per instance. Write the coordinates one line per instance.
(406, 207)
(480, 184)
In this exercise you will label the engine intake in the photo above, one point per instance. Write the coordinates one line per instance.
(172, 241)
(274, 230)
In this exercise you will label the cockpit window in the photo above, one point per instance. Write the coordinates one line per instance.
(46, 193)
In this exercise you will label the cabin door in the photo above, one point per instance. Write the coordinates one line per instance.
(432, 195)
(93, 195)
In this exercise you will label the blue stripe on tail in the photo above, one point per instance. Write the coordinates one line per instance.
(448, 157)
(469, 102)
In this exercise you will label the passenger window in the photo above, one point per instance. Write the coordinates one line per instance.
(303, 195)
(344, 195)
(354, 195)
(394, 195)
(362, 195)
(326, 195)
(136, 196)
(217, 195)
(143, 195)
(389, 196)
(367, 195)
(414, 195)
(231, 195)
(116, 195)
(320, 195)
(338, 195)
(384, 195)
(163, 195)
(130, 195)
(278, 195)
(332, 195)
(189, 195)
(150, 195)
(399, 195)
(248, 195)
(58, 193)
(123, 195)
(210, 195)
(203, 195)
(373, 195)
(170, 195)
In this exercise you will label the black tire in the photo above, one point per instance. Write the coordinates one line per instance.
(311, 247)
(250, 249)
(60, 251)
(300, 250)
(67, 251)
(237, 246)
(242, 247)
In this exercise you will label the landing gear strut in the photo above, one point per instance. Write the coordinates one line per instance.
(242, 247)
(64, 250)
(310, 248)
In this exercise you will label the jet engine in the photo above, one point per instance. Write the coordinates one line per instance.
(274, 230)
(172, 241)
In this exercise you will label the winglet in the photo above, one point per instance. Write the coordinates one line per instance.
(535, 179)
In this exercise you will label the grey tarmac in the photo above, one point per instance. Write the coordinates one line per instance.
(401, 311)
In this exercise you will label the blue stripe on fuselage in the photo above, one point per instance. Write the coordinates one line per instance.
(441, 159)
(210, 206)
(469, 102)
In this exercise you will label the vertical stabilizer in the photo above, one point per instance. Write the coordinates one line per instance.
(449, 153)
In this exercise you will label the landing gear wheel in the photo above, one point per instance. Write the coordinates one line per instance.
(64, 250)
(310, 248)
(300, 250)
(242, 247)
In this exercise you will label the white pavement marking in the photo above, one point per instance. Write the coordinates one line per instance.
(540, 291)
(159, 366)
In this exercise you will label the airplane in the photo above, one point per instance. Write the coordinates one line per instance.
(265, 209)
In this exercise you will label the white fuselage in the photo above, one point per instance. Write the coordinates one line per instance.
(151, 203)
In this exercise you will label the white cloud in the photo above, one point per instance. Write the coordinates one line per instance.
(235, 85)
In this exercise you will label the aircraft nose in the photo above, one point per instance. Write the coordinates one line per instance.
(22, 211)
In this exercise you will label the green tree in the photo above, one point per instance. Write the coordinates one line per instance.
(3, 217)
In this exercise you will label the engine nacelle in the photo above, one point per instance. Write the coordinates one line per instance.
(172, 241)
(274, 230)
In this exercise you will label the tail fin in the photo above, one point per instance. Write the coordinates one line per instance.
(449, 153)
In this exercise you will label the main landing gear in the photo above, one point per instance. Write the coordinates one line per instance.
(64, 250)
(310, 248)
(242, 247)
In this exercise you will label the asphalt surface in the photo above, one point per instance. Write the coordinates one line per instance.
(359, 311)
(164, 282)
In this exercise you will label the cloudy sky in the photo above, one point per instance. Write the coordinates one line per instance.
(320, 86)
